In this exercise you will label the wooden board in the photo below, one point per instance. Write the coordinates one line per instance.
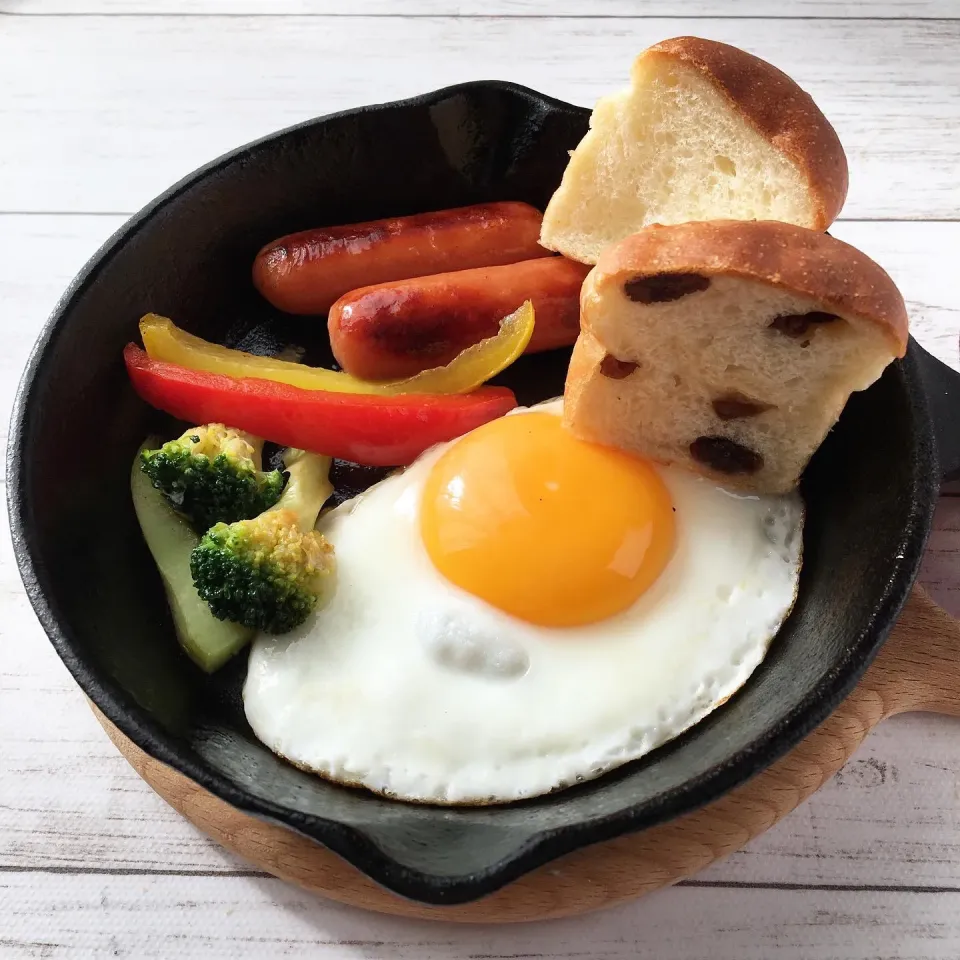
(918, 669)
(87, 95)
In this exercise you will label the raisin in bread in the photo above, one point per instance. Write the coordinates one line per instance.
(729, 347)
(704, 132)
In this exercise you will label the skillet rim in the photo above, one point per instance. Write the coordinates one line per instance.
(351, 842)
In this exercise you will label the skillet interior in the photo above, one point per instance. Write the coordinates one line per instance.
(869, 493)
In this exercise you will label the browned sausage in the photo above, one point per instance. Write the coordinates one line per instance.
(395, 330)
(305, 272)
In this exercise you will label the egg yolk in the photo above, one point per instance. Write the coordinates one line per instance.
(543, 526)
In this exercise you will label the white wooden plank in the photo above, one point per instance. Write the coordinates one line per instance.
(855, 9)
(108, 111)
(908, 252)
(237, 918)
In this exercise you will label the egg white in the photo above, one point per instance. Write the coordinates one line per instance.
(411, 687)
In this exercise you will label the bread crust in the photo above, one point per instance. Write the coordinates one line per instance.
(783, 255)
(587, 355)
(774, 105)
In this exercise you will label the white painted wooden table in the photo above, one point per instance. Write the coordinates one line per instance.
(103, 103)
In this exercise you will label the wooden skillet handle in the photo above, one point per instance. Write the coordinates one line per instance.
(919, 666)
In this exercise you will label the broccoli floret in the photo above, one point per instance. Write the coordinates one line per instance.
(271, 572)
(213, 473)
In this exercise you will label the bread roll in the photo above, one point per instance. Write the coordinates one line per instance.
(729, 348)
(705, 131)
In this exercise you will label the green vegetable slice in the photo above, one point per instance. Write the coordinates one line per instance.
(209, 642)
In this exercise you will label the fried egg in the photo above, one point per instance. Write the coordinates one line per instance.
(519, 611)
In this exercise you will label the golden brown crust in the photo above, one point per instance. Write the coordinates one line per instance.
(794, 258)
(776, 107)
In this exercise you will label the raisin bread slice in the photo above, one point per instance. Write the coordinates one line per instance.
(705, 131)
(728, 347)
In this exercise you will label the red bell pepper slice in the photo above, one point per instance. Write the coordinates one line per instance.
(370, 430)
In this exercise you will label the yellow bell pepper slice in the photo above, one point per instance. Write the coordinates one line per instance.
(164, 340)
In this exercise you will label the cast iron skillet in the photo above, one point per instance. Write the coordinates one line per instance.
(870, 492)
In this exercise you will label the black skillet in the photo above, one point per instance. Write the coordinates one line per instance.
(870, 492)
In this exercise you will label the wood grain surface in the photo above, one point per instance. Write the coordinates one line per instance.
(592, 9)
(103, 103)
(155, 125)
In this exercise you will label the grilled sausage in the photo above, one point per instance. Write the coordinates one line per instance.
(395, 330)
(305, 272)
